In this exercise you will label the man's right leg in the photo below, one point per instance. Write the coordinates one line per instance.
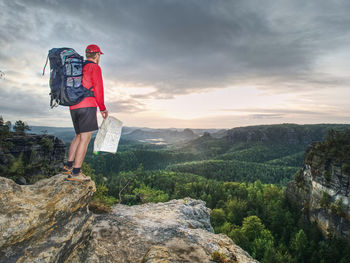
(81, 149)
(73, 148)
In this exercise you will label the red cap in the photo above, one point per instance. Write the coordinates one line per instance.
(93, 48)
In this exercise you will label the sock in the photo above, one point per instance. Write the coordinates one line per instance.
(70, 164)
(76, 170)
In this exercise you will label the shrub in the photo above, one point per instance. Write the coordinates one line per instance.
(221, 258)
(345, 168)
(326, 175)
(47, 144)
(325, 200)
(20, 127)
(4, 134)
(101, 202)
(337, 208)
(17, 168)
(299, 178)
(309, 156)
(148, 194)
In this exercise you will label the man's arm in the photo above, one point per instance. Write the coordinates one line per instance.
(104, 114)
(98, 90)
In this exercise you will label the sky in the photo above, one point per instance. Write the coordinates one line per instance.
(184, 63)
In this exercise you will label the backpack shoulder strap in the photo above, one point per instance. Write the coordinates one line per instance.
(88, 62)
(47, 59)
(89, 93)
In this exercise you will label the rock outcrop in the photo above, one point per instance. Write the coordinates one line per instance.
(46, 147)
(43, 153)
(322, 191)
(175, 231)
(43, 222)
(50, 222)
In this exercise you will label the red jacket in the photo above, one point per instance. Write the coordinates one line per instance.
(92, 76)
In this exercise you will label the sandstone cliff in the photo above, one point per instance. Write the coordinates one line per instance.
(41, 155)
(322, 187)
(47, 147)
(50, 222)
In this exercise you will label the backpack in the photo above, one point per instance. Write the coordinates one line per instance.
(66, 75)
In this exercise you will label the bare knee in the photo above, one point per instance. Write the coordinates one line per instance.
(85, 136)
(76, 138)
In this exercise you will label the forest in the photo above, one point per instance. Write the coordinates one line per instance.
(243, 184)
(245, 192)
(255, 216)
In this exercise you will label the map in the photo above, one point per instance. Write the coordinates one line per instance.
(108, 135)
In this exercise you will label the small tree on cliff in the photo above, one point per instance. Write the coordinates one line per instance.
(4, 134)
(21, 127)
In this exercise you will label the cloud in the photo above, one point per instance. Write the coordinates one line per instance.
(17, 100)
(185, 46)
(179, 47)
(266, 111)
(126, 106)
(266, 116)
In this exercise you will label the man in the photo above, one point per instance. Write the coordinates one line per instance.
(84, 115)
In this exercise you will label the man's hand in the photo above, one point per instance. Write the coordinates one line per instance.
(104, 114)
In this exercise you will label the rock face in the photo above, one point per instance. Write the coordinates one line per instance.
(44, 153)
(47, 147)
(49, 221)
(43, 222)
(175, 231)
(322, 191)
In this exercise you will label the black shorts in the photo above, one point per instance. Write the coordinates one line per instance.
(84, 119)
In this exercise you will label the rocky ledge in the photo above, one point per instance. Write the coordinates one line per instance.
(50, 222)
(43, 222)
(175, 231)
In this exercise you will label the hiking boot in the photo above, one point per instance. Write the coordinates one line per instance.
(80, 177)
(66, 170)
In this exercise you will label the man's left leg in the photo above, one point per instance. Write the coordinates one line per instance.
(73, 148)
